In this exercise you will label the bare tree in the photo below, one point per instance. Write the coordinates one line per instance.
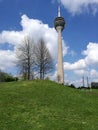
(43, 59)
(33, 58)
(25, 57)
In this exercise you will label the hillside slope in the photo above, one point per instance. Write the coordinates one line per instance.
(45, 105)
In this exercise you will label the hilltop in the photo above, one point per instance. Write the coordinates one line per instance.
(45, 105)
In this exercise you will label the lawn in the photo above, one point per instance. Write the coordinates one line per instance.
(45, 105)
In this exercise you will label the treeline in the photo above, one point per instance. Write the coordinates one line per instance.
(5, 77)
(94, 85)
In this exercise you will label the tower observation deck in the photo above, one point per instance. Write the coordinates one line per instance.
(59, 21)
(59, 24)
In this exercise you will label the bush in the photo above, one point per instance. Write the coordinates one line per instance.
(5, 77)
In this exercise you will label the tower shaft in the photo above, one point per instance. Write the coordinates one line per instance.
(59, 24)
(60, 70)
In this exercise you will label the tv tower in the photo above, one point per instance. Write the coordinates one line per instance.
(59, 24)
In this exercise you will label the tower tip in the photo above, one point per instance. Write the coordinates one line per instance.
(59, 5)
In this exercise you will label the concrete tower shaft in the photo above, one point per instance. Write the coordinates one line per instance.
(60, 71)
(59, 24)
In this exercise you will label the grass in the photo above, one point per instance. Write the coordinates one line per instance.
(45, 105)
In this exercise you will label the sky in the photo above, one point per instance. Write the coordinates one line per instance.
(19, 18)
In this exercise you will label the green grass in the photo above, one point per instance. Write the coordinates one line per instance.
(45, 105)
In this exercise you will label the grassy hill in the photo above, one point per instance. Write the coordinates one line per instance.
(45, 105)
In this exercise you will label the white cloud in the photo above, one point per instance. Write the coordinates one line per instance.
(7, 59)
(87, 66)
(11, 37)
(90, 59)
(53, 76)
(91, 54)
(80, 6)
(80, 72)
(94, 73)
(35, 29)
(75, 66)
(38, 30)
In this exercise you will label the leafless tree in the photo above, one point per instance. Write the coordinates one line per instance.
(33, 58)
(43, 59)
(25, 57)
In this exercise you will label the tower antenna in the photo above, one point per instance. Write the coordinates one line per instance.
(59, 6)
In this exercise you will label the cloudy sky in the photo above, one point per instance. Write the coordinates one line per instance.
(18, 18)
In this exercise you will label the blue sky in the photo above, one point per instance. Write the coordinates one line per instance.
(19, 18)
